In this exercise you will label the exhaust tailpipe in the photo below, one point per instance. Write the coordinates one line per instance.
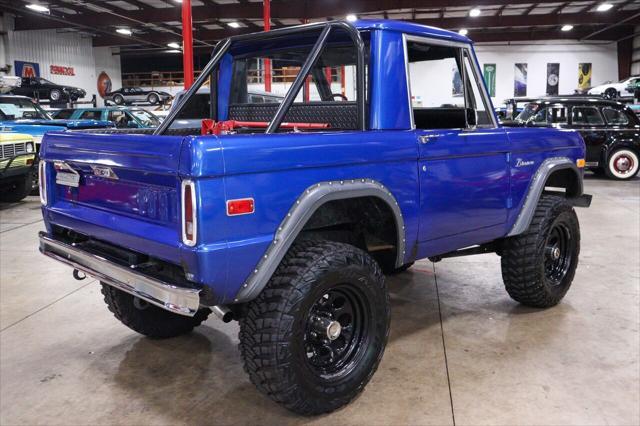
(222, 312)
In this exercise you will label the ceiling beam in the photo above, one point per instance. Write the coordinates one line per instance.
(279, 10)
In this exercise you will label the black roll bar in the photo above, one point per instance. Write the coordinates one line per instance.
(223, 47)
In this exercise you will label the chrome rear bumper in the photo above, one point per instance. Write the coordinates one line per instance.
(179, 300)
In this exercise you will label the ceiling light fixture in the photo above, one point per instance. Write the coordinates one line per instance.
(234, 24)
(38, 8)
(567, 27)
(463, 32)
(174, 45)
(603, 7)
(174, 51)
(124, 31)
(351, 17)
(475, 12)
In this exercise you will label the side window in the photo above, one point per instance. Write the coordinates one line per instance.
(439, 99)
(91, 115)
(615, 117)
(436, 105)
(586, 116)
(119, 118)
(64, 114)
(475, 100)
(196, 108)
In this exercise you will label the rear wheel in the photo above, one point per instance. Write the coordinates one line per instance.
(623, 164)
(538, 265)
(145, 318)
(315, 335)
(55, 95)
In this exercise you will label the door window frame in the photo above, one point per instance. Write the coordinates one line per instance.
(464, 48)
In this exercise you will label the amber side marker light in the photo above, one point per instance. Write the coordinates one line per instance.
(580, 162)
(240, 206)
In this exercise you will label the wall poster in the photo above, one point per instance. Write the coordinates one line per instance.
(520, 80)
(584, 76)
(553, 78)
(27, 69)
(489, 71)
(104, 84)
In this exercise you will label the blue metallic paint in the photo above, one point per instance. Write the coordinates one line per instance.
(471, 192)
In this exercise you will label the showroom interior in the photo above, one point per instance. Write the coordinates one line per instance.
(441, 173)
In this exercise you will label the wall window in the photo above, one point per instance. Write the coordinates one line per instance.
(438, 97)
(615, 116)
(586, 116)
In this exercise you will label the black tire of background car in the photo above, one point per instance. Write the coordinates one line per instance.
(528, 259)
(401, 269)
(118, 100)
(611, 93)
(153, 99)
(55, 95)
(20, 190)
(275, 330)
(630, 156)
(149, 319)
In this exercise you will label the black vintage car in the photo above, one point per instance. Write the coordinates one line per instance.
(40, 88)
(610, 129)
(130, 95)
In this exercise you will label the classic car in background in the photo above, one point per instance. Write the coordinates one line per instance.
(131, 95)
(610, 129)
(613, 90)
(40, 88)
(17, 170)
(121, 117)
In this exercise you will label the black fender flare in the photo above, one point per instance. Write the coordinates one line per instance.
(301, 211)
(536, 188)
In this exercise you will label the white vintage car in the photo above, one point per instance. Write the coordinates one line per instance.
(613, 90)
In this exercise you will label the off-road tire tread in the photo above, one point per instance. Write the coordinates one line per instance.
(157, 323)
(523, 255)
(260, 334)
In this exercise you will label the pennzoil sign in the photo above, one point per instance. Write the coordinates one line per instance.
(60, 70)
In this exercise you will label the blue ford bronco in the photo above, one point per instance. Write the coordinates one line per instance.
(286, 216)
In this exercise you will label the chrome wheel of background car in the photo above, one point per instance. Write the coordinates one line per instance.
(611, 93)
(55, 95)
(623, 164)
(153, 99)
(335, 330)
(119, 100)
(558, 253)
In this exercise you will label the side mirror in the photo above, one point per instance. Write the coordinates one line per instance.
(472, 117)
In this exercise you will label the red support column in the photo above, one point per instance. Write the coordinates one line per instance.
(266, 16)
(187, 44)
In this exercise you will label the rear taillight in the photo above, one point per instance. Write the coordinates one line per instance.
(42, 181)
(189, 224)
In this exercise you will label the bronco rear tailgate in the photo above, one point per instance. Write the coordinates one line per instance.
(126, 188)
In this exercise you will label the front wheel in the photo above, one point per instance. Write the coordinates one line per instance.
(538, 265)
(315, 335)
(118, 99)
(55, 95)
(153, 99)
(623, 164)
(611, 93)
(19, 190)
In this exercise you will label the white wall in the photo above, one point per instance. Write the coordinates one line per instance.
(604, 58)
(68, 49)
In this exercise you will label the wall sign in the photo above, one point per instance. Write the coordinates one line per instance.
(489, 72)
(27, 69)
(60, 70)
(584, 76)
(520, 80)
(553, 78)
(104, 84)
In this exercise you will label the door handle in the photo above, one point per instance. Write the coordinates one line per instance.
(424, 139)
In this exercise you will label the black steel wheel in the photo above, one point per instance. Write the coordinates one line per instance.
(538, 265)
(313, 338)
(611, 93)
